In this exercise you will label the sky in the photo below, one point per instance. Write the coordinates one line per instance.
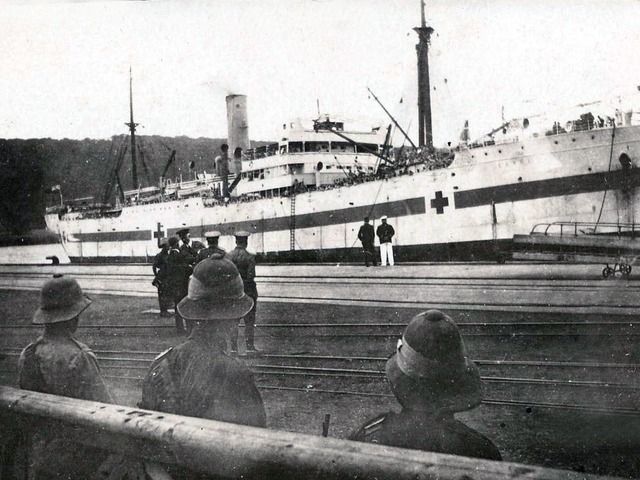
(65, 64)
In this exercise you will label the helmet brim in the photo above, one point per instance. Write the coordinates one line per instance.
(61, 314)
(450, 391)
(212, 309)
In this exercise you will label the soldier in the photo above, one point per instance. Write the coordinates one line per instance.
(178, 271)
(246, 263)
(385, 233)
(212, 242)
(367, 236)
(165, 299)
(187, 249)
(196, 378)
(58, 364)
(432, 378)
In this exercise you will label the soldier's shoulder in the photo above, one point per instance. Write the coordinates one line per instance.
(163, 355)
(371, 428)
(30, 350)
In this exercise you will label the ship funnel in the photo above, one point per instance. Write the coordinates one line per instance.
(237, 123)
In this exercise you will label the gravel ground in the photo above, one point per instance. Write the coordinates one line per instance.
(602, 444)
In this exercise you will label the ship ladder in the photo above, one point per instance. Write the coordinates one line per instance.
(292, 225)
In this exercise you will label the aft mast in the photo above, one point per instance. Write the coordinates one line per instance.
(424, 88)
(132, 130)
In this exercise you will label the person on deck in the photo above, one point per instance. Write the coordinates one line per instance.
(366, 235)
(58, 364)
(432, 378)
(246, 264)
(385, 234)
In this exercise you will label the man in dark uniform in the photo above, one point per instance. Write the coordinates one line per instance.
(385, 234)
(197, 378)
(367, 236)
(212, 242)
(58, 364)
(178, 271)
(165, 299)
(187, 249)
(432, 378)
(246, 263)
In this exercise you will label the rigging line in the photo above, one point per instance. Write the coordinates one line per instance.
(606, 188)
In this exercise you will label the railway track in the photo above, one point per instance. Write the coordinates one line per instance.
(283, 372)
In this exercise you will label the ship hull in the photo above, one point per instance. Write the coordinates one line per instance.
(468, 211)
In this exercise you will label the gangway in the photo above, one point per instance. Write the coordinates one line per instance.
(616, 244)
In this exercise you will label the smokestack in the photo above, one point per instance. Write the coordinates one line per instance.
(237, 123)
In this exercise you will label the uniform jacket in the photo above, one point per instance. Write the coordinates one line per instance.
(189, 253)
(418, 431)
(365, 234)
(246, 264)
(198, 380)
(207, 252)
(385, 232)
(160, 264)
(60, 365)
(178, 272)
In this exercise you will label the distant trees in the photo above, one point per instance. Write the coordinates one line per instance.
(82, 167)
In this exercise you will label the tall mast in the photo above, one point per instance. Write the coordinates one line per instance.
(132, 130)
(425, 130)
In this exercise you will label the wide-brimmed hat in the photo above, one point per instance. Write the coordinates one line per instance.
(216, 292)
(430, 369)
(61, 299)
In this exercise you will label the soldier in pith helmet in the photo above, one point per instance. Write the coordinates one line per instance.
(432, 378)
(212, 238)
(58, 364)
(197, 378)
(246, 263)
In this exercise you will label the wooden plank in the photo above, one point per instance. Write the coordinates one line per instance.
(238, 451)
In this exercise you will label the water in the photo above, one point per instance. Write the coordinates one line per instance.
(33, 254)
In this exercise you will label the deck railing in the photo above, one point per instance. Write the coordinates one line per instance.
(236, 451)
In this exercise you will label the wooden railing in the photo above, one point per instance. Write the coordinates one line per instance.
(237, 451)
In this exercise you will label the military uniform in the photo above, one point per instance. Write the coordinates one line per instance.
(197, 379)
(419, 431)
(246, 264)
(58, 364)
(178, 271)
(366, 236)
(207, 252)
(160, 268)
(432, 377)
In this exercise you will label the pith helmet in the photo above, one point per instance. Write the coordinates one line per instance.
(430, 369)
(216, 292)
(61, 299)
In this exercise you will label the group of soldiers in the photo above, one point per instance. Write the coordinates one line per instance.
(175, 264)
(430, 375)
